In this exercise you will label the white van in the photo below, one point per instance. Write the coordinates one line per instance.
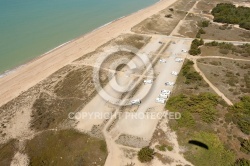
(163, 60)
(148, 81)
(160, 100)
(163, 95)
(174, 73)
(178, 60)
(135, 102)
(168, 92)
(169, 83)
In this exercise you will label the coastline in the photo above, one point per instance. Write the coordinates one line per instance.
(15, 81)
(9, 71)
(5, 73)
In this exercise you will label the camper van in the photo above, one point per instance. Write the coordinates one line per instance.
(174, 73)
(163, 60)
(160, 100)
(168, 92)
(163, 95)
(178, 60)
(135, 102)
(148, 81)
(169, 83)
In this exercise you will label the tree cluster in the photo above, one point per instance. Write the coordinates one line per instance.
(229, 13)
(240, 114)
(146, 154)
(200, 32)
(203, 23)
(195, 47)
(202, 106)
(191, 76)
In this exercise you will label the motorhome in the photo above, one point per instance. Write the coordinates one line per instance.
(163, 60)
(178, 60)
(169, 83)
(160, 100)
(174, 73)
(148, 81)
(135, 102)
(168, 92)
(163, 95)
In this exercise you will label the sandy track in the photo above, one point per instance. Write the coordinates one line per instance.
(219, 93)
(194, 59)
(32, 73)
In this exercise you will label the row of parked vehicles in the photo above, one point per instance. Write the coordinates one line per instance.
(164, 95)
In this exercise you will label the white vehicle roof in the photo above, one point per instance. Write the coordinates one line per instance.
(148, 81)
(169, 83)
(174, 73)
(178, 59)
(164, 96)
(136, 101)
(160, 100)
(165, 91)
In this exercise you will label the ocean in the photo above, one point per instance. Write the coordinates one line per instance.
(30, 28)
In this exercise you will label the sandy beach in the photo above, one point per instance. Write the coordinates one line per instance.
(35, 71)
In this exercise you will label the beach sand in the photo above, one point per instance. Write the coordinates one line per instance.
(35, 71)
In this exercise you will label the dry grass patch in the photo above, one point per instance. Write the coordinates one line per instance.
(188, 28)
(66, 147)
(70, 94)
(183, 5)
(183, 84)
(230, 77)
(217, 32)
(160, 23)
(49, 112)
(164, 159)
(7, 152)
(137, 41)
(128, 40)
(120, 57)
(227, 50)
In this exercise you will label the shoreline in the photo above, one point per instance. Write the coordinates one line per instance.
(12, 70)
(13, 82)
(9, 71)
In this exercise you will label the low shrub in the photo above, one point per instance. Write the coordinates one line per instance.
(146, 154)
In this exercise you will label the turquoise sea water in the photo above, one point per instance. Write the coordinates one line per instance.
(29, 28)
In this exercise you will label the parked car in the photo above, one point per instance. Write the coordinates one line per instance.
(160, 100)
(135, 102)
(148, 81)
(174, 73)
(178, 60)
(163, 95)
(169, 83)
(168, 92)
(163, 60)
